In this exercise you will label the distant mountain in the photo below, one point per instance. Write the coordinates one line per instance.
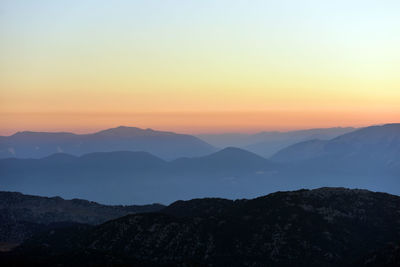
(306, 150)
(370, 148)
(166, 145)
(222, 140)
(56, 165)
(23, 215)
(322, 227)
(225, 160)
(139, 177)
(268, 143)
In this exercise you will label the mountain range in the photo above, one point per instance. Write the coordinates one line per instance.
(367, 149)
(365, 158)
(166, 145)
(138, 177)
(321, 227)
(267, 144)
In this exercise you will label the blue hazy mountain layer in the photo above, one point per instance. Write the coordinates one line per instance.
(367, 158)
(166, 145)
(268, 143)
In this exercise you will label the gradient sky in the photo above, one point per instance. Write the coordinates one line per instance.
(198, 66)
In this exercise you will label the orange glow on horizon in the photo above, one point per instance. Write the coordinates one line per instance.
(198, 67)
(196, 122)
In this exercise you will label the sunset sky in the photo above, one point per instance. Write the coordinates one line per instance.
(198, 66)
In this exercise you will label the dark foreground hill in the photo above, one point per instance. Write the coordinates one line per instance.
(322, 227)
(23, 215)
(167, 145)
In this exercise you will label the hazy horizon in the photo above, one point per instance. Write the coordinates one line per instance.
(238, 131)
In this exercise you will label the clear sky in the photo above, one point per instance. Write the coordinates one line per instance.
(198, 66)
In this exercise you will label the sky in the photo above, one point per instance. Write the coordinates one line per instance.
(198, 66)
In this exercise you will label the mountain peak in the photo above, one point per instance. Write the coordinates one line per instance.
(231, 149)
(127, 131)
(234, 151)
(120, 131)
(375, 133)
